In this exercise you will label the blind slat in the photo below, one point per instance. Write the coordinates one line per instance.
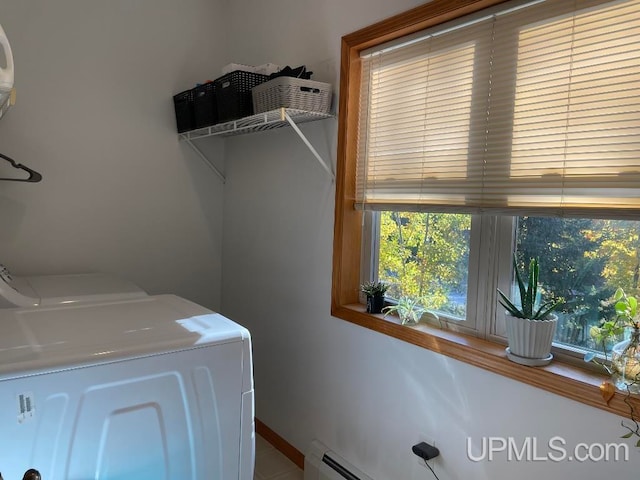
(532, 111)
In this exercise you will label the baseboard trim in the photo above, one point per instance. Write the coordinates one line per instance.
(280, 444)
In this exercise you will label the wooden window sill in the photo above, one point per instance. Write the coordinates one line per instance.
(570, 381)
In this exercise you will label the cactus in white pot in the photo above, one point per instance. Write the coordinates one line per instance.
(530, 327)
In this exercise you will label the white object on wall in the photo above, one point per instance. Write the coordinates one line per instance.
(6, 71)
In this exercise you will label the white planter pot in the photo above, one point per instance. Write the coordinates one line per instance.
(530, 340)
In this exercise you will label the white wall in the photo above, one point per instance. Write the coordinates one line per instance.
(121, 195)
(94, 115)
(367, 396)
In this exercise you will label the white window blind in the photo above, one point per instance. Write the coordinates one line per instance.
(530, 110)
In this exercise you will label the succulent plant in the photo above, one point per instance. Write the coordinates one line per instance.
(528, 295)
(373, 288)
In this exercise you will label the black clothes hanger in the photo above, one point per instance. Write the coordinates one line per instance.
(33, 175)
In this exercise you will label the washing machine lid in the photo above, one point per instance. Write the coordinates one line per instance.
(44, 339)
(68, 289)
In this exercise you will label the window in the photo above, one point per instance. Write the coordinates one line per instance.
(468, 135)
(429, 256)
(512, 111)
(426, 256)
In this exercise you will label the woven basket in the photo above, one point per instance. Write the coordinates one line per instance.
(233, 94)
(290, 92)
(183, 105)
(204, 105)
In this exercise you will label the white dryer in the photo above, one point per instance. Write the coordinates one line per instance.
(43, 290)
(154, 387)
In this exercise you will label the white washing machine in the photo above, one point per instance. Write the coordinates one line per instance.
(153, 387)
(43, 290)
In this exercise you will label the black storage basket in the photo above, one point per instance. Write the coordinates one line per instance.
(204, 105)
(233, 94)
(183, 105)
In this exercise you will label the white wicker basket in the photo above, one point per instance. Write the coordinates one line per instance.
(290, 92)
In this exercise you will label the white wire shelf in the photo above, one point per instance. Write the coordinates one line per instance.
(281, 117)
(255, 123)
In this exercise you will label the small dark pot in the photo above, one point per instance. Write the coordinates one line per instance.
(375, 303)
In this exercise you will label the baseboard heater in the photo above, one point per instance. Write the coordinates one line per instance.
(320, 463)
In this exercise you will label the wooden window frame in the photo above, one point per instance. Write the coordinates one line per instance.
(565, 379)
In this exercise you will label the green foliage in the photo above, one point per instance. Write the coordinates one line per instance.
(621, 246)
(425, 256)
(407, 308)
(572, 262)
(585, 260)
(626, 316)
(528, 295)
(372, 288)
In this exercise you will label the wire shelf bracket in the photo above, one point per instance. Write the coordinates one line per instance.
(285, 116)
(281, 117)
(204, 158)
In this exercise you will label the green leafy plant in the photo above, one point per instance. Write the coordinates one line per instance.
(528, 295)
(408, 309)
(626, 316)
(609, 331)
(371, 289)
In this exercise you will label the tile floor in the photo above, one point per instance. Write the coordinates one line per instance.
(273, 465)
